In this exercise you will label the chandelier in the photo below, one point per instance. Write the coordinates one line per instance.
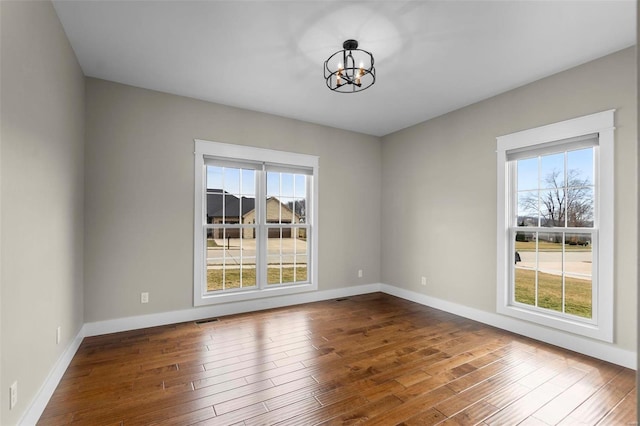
(353, 70)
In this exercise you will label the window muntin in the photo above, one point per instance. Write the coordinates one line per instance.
(556, 253)
(254, 222)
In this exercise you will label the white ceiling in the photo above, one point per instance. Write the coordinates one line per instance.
(431, 57)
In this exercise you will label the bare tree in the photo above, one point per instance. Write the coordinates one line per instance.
(572, 201)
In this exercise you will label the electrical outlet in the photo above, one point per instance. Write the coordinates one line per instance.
(58, 335)
(13, 395)
(359, 273)
(423, 281)
(144, 297)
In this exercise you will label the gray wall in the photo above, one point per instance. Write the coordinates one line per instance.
(140, 189)
(439, 186)
(42, 133)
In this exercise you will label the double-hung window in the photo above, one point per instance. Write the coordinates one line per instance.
(555, 225)
(255, 232)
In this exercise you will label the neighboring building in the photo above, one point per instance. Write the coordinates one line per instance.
(223, 207)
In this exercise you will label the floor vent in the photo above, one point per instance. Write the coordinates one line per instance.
(205, 321)
(342, 299)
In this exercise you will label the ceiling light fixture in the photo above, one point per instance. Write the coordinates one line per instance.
(354, 70)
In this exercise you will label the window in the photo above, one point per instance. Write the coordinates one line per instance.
(255, 233)
(555, 225)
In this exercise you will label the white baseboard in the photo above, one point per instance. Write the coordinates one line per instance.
(39, 403)
(572, 342)
(568, 341)
(173, 317)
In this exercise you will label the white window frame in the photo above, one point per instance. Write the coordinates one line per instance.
(602, 123)
(237, 153)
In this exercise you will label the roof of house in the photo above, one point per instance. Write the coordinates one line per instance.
(232, 204)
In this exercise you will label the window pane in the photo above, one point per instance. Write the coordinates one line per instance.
(528, 208)
(248, 183)
(300, 256)
(231, 180)
(578, 275)
(301, 272)
(248, 211)
(214, 177)
(214, 208)
(274, 270)
(231, 260)
(528, 174)
(300, 183)
(273, 184)
(580, 167)
(274, 210)
(274, 255)
(550, 267)
(232, 209)
(286, 185)
(525, 286)
(248, 259)
(552, 171)
(552, 207)
(525, 268)
(300, 250)
(287, 214)
(300, 210)
(300, 201)
(580, 207)
(301, 240)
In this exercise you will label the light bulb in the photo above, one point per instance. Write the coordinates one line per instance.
(360, 74)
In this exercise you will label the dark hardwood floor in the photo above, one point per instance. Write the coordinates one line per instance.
(372, 359)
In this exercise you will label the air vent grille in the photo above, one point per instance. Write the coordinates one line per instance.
(206, 320)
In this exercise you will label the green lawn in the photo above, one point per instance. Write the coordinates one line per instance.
(232, 277)
(577, 292)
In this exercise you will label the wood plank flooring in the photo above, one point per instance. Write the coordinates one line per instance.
(372, 359)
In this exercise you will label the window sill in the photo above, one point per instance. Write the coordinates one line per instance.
(241, 296)
(578, 327)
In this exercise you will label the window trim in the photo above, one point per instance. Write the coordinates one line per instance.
(603, 124)
(238, 153)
